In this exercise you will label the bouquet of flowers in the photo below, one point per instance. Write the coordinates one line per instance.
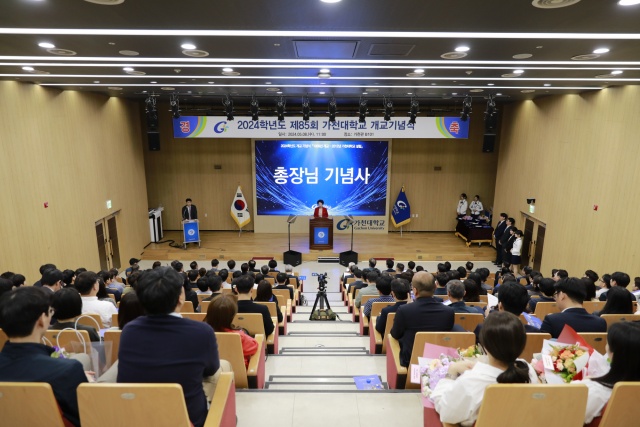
(567, 361)
(434, 372)
(473, 351)
(60, 353)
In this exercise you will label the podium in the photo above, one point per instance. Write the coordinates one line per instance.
(190, 232)
(321, 233)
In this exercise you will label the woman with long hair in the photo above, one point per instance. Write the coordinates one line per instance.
(220, 316)
(618, 302)
(623, 347)
(458, 396)
(264, 293)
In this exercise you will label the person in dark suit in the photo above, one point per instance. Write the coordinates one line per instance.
(357, 284)
(400, 289)
(618, 279)
(320, 211)
(506, 234)
(506, 247)
(243, 285)
(456, 291)
(570, 294)
(25, 314)
(423, 315)
(189, 211)
(497, 234)
(292, 279)
(163, 347)
(281, 283)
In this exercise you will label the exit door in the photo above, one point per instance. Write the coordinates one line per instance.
(107, 239)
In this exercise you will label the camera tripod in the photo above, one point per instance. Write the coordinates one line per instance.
(322, 297)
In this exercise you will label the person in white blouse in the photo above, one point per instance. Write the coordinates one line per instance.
(457, 398)
(476, 206)
(516, 251)
(623, 347)
(462, 205)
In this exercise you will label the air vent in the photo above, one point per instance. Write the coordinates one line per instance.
(62, 52)
(230, 73)
(195, 53)
(272, 89)
(476, 90)
(136, 73)
(553, 4)
(330, 49)
(168, 88)
(527, 91)
(585, 57)
(129, 53)
(511, 75)
(522, 56)
(390, 49)
(605, 76)
(453, 55)
(415, 74)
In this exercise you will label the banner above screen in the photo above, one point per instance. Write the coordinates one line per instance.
(295, 127)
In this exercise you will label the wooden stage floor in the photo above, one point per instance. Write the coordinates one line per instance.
(425, 246)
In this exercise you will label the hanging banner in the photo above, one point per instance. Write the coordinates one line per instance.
(295, 127)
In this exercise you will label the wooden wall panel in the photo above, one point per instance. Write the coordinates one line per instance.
(75, 151)
(184, 168)
(571, 152)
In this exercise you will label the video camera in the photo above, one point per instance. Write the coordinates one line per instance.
(322, 282)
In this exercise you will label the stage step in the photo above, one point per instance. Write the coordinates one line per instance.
(328, 259)
(321, 350)
(315, 383)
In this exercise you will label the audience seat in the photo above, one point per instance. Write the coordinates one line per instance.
(252, 322)
(202, 297)
(198, 317)
(290, 304)
(204, 306)
(230, 349)
(397, 374)
(377, 345)
(468, 321)
(544, 308)
(351, 299)
(357, 312)
(94, 320)
(282, 326)
(158, 405)
(3, 339)
(533, 345)
(623, 408)
(480, 304)
(592, 306)
(114, 320)
(15, 395)
(187, 307)
(531, 405)
(615, 318)
(376, 308)
(69, 340)
(113, 336)
(597, 340)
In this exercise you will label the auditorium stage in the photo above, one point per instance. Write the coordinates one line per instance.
(416, 246)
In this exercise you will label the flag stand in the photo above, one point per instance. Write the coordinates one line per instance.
(401, 231)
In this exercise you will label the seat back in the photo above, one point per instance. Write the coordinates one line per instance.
(377, 307)
(230, 349)
(592, 306)
(114, 320)
(222, 412)
(14, 396)
(281, 293)
(615, 318)
(252, 322)
(366, 298)
(282, 299)
(481, 304)
(113, 336)
(202, 297)
(3, 339)
(271, 306)
(468, 321)
(445, 339)
(137, 405)
(271, 280)
(597, 340)
(533, 344)
(198, 317)
(533, 405)
(204, 306)
(544, 308)
(484, 298)
(94, 320)
(187, 307)
(387, 330)
(69, 340)
(623, 408)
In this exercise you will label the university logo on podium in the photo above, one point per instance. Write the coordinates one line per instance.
(322, 236)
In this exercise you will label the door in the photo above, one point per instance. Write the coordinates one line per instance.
(527, 241)
(537, 258)
(107, 239)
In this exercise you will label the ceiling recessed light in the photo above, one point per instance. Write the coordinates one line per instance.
(276, 44)
(365, 93)
(433, 84)
(601, 50)
(527, 91)
(616, 72)
(454, 93)
(227, 70)
(168, 88)
(321, 93)
(325, 70)
(267, 83)
(279, 92)
(453, 55)
(553, 4)
(128, 69)
(211, 83)
(153, 83)
(522, 56)
(409, 93)
(129, 53)
(188, 46)
(518, 71)
(418, 71)
(490, 84)
(28, 68)
(462, 49)
(330, 1)
(586, 57)
(323, 83)
(96, 81)
(547, 84)
(114, 88)
(46, 45)
(62, 52)
(498, 94)
(628, 2)
(273, 89)
(324, 75)
(476, 90)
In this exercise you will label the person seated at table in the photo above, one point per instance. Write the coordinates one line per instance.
(618, 302)
(220, 316)
(458, 396)
(623, 347)
(264, 293)
(68, 306)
